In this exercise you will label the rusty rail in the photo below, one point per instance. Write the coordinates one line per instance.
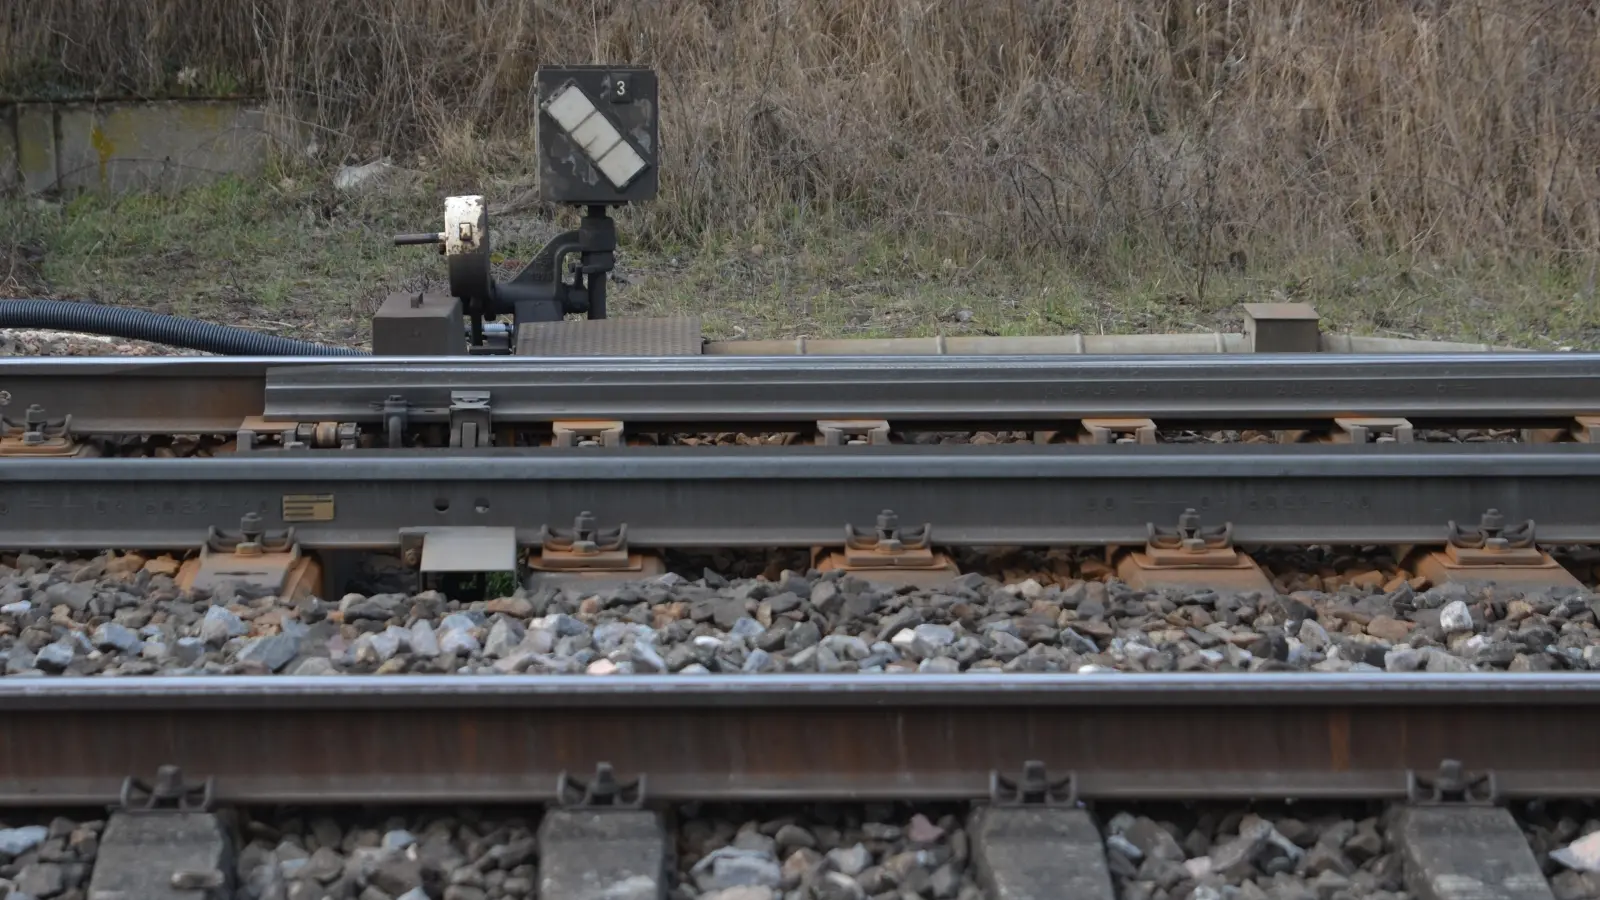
(417, 738)
(212, 395)
(807, 496)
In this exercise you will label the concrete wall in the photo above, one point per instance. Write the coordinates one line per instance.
(123, 146)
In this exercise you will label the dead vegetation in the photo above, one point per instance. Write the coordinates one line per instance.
(1207, 132)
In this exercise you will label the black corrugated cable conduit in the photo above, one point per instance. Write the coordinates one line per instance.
(142, 325)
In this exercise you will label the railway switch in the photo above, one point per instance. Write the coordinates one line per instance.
(598, 143)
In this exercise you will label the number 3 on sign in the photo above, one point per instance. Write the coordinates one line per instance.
(621, 87)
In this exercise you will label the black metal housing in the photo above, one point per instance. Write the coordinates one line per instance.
(565, 174)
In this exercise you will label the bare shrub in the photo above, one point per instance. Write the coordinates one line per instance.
(1182, 127)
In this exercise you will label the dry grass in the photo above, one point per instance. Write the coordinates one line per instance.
(1193, 131)
(294, 257)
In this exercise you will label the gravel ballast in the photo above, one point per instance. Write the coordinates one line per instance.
(1238, 854)
(828, 852)
(47, 856)
(124, 614)
(467, 854)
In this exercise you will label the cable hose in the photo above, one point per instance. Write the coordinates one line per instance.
(156, 328)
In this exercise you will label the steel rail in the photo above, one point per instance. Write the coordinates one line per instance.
(212, 394)
(380, 739)
(804, 496)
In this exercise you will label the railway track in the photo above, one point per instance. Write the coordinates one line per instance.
(1356, 397)
(623, 769)
(605, 611)
(1169, 639)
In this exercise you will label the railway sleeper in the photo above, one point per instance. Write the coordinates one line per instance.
(472, 427)
(1192, 556)
(1032, 838)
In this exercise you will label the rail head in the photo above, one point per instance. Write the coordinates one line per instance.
(659, 692)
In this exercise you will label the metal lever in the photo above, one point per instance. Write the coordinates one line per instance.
(404, 240)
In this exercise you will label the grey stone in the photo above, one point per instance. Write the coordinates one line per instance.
(848, 647)
(111, 636)
(1365, 844)
(457, 641)
(743, 892)
(1235, 858)
(20, 659)
(291, 868)
(750, 839)
(378, 608)
(41, 879)
(945, 882)
(1323, 858)
(460, 622)
(825, 596)
(188, 650)
(1454, 617)
(933, 636)
(728, 867)
(727, 613)
(610, 636)
(1404, 659)
(273, 651)
(375, 648)
(219, 624)
(1006, 646)
(745, 627)
(799, 865)
(562, 624)
(790, 837)
(1442, 661)
(538, 640)
(316, 665)
(1152, 840)
(802, 636)
(323, 866)
(850, 860)
(1313, 636)
(75, 596)
(1570, 885)
(424, 642)
(837, 886)
(17, 841)
(645, 659)
(1124, 846)
(55, 657)
(396, 874)
(939, 665)
(1329, 884)
(503, 638)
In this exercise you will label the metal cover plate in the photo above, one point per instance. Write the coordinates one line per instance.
(611, 337)
(469, 548)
